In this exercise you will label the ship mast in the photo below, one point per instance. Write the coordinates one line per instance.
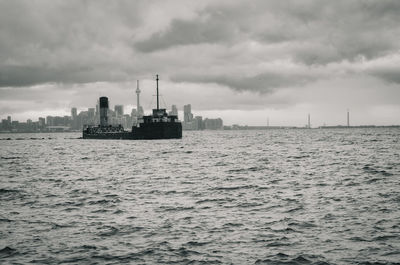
(157, 94)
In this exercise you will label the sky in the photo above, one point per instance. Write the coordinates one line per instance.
(244, 61)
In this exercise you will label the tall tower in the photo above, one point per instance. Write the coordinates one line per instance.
(137, 98)
(309, 121)
(348, 118)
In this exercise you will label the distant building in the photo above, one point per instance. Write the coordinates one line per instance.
(213, 124)
(174, 110)
(188, 123)
(42, 123)
(49, 121)
(140, 112)
(6, 124)
(127, 121)
(187, 113)
(82, 119)
(199, 124)
(91, 116)
(74, 113)
(14, 126)
(119, 110)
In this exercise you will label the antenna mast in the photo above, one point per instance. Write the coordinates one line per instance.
(158, 106)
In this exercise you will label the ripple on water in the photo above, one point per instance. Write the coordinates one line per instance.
(231, 197)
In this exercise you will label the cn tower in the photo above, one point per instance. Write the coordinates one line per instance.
(137, 97)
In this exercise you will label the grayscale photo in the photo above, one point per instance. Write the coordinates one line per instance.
(200, 132)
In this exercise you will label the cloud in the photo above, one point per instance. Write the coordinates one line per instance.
(80, 41)
(187, 33)
(262, 83)
(262, 47)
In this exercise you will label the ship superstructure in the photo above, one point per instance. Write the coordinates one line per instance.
(158, 125)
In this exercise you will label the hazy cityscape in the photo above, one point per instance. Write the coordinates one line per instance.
(117, 116)
(91, 117)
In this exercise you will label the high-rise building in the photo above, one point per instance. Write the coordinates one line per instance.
(91, 116)
(49, 121)
(119, 110)
(97, 114)
(187, 113)
(74, 113)
(140, 112)
(213, 124)
(174, 110)
(199, 124)
(42, 122)
(74, 121)
(6, 124)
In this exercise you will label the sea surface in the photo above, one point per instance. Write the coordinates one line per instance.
(317, 196)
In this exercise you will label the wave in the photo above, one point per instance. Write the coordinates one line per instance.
(7, 252)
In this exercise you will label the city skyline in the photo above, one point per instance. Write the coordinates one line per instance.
(174, 110)
(115, 116)
(236, 60)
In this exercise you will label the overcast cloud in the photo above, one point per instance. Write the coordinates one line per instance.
(226, 57)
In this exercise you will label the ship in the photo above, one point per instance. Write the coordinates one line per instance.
(158, 125)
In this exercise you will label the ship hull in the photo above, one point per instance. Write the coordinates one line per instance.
(151, 131)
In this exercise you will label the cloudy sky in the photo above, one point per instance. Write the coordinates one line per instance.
(244, 61)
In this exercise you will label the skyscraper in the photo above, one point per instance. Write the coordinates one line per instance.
(74, 113)
(91, 116)
(174, 110)
(187, 113)
(74, 121)
(119, 110)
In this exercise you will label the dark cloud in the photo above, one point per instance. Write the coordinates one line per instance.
(389, 74)
(66, 42)
(16, 76)
(261, 83)
(183, 32)
(312, 32)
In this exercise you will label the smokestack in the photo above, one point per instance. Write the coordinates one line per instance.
(103, 111)
(309, 122)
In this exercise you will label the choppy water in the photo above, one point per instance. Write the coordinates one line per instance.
(241, 197)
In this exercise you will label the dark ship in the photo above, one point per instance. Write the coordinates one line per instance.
(158, 125)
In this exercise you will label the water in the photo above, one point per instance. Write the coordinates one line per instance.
(240, 197)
